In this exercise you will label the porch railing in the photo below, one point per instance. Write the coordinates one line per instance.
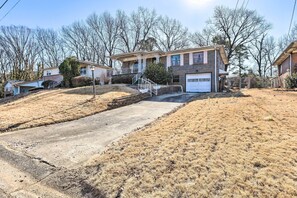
(136, 78)
(146, 85)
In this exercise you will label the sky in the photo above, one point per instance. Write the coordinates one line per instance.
(191, 13)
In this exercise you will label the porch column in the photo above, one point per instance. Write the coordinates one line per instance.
(168, 61)
(144, 64)
(191, 58)
(181, 59)
(139, 63)
(157, 58)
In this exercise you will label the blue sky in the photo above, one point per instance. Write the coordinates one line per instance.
(192, 13)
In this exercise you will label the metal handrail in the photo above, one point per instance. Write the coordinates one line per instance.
(153, 87)
(145, 85)
(136, 78)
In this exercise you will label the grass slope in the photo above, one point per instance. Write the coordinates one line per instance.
(242, 147)
(55, 106)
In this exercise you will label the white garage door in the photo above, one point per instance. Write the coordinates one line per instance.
(198, 82)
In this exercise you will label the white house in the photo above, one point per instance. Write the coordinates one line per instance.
(14, 87)
(101, 72)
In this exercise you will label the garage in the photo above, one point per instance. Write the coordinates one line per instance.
(198, 82)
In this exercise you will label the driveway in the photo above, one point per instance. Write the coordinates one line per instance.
(29, 156)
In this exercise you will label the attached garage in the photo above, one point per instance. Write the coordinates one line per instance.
(198, 82)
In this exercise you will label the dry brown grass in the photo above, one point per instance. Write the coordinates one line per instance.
(220, 147)
(55, 106)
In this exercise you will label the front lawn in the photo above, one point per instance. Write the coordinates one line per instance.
(53, 106)
(219, 147)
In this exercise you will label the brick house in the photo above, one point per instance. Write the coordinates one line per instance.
(196, 69)
(286, 64)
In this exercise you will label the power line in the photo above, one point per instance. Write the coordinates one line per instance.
(10, 10)
(291, 19)
(236, 4)
(3, 4)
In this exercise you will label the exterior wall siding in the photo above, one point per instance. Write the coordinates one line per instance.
(208, 66)
(197, 69)
(285, 66)
(186, 59)
(58, 78)
(53, 71)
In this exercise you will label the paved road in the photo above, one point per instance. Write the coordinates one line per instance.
(34, 154)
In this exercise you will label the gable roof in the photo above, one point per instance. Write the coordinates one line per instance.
(94, 64)
(13, 82)
(285, 54)
(50, 68)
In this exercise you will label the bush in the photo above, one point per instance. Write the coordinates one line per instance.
(158, 73)
(291, 81)
(48, 84)
(69, 68)
(1, 90)
(81, 81)
(122, 79)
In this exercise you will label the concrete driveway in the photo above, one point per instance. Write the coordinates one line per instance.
(34, 154)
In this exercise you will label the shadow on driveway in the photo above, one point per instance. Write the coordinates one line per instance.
(177, 97)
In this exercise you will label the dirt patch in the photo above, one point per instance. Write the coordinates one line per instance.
(240, 146)
(56, 106)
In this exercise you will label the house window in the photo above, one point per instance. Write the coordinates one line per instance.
(175, 60)
(83, 71)
(198, 58)
(48, 73)
(176, 78)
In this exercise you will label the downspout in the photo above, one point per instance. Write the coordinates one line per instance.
(290, 64)
(216, 84)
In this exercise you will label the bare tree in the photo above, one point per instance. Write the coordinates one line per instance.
(106, 28)
(237, 27)
(203, 38)
(4, 66)
(52, 52)
(19, 45)
(272, 52)
(170, 34)
(135, 28)
(259, 55)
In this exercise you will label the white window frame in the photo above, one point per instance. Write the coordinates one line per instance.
(201, 59)
(175, 63)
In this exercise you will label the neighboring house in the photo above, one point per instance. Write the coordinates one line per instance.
(196, 69)
(9, 87)
(100, 72)
(14, 87)
(286, 64)
(52, 74)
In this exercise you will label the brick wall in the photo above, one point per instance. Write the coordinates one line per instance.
(285, 66)
(198, 69)
(57, 78)
(186, 59)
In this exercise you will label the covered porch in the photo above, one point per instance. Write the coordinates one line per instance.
(134, 62)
